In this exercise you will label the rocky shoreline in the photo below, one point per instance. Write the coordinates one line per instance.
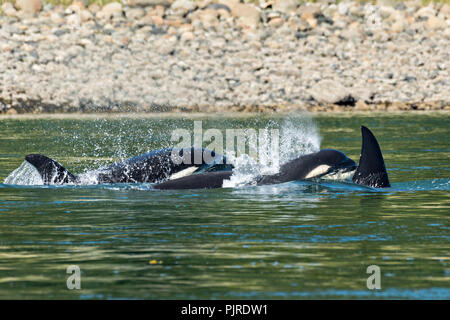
(224, 56)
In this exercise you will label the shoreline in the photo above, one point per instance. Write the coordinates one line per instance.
(359, 106)
(224, 56)
(200, 115)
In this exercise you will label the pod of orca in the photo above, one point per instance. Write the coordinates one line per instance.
(182, 168)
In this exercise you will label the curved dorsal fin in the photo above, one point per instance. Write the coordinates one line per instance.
(371, 170)
(50, 170)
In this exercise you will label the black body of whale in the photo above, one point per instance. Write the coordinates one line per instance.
(312, 165)
(152, 167)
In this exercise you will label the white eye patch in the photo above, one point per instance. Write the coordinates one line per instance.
(317, 171)
(183, 173)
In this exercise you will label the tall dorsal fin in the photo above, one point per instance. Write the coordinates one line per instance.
(371, 170)
(50, 170)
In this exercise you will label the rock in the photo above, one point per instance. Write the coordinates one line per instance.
(56, 18)
(135, 13)
(208, 17)
(361, 106)
(9, 10)
(11, 111)
(79, 4)
(187, 36)
(285, 6)
(157, 20)
(386, 12)
(110, 10)
(29, 6)
(72, 9)
(331, 91)
(312, 22)
(343, 8)
(445, 10)
(276, 22)
(218, 7)
(156, 11)
(86, 15)
(309, 11)
(94, 8)
(435, 23)
(387, 3)
(398, 26)
(248, 15)
(181, 7)
(425, 12)
(73, 20)
(149, 3)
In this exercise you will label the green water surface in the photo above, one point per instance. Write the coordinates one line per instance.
(290, 241)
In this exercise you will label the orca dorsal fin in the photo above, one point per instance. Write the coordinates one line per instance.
(50, 170)
(371, 170)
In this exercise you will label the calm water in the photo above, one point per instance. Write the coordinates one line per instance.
(289, 241)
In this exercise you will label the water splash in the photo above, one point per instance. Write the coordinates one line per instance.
(25, 175)
(298, 135)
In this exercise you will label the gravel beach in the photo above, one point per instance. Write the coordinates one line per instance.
(224, 56)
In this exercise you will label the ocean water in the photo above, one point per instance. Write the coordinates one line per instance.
(297, 240)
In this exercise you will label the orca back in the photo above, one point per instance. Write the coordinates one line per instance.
(371, 170)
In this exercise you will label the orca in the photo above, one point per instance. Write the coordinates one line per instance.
(152, 167)
(314, 165)
(371, 170)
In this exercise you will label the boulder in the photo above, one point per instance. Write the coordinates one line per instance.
(247, 15)
(330, 92)
(181, 7)
(110, 10)
(445, 10)
(285, 6)
(435, 23)
(29, 6)
(9, 10)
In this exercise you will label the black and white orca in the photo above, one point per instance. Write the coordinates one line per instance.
(152, 167)
(371, 170)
